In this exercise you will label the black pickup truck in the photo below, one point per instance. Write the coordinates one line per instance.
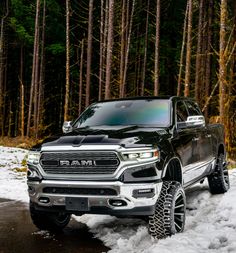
(129, 157)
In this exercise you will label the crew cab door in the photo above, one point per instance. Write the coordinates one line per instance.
(203, 145)
(183, 138)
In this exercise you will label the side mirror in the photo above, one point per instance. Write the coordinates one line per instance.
(67, 127)
(198, 120)
(192, 121)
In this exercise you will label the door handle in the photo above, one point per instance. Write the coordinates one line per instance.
(195, 139)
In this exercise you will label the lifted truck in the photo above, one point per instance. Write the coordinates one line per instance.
(129, 157)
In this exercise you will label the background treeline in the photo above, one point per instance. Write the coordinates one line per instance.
(57, 57)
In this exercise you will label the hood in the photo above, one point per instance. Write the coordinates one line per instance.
(127, 136)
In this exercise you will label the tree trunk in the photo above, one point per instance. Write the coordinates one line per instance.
(145, 51)
(222, 61)
(157, 50)
(22, 95)
(199, 52)
(101, 57)
(138, 63)
(122, 47)
(32, 87)
(81, 76)
(182, 51)
(36, 86)
(188, 52)
(104, 50)
(66, 105)
(2, 67)
(208, 57)
(89, 52)
(10, 113)
(41, 75)
(109, 50)
(122, 92)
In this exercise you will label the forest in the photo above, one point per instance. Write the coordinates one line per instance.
(57, 57)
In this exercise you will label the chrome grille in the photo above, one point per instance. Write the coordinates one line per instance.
(103, 162)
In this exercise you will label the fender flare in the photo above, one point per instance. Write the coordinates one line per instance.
(167, 164)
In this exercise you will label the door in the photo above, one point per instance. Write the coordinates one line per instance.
(183, 141)
(203, 151)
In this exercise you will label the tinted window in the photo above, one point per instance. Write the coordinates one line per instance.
(181, 112)
(129, 112)
(193, 108)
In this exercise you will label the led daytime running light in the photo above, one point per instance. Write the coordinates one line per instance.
(141, 155)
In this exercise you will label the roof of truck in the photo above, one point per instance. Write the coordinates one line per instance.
(168, 97)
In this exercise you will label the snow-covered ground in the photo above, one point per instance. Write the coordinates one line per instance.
(210, 223)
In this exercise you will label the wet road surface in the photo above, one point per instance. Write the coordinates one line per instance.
(19, 235)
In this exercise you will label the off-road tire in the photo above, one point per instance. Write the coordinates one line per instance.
(49, 220)
(219, 180)
(169, 216)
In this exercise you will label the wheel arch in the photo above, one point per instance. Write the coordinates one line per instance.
(173, 170)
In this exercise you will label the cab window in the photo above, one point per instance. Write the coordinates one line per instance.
(181, 112)
(193, 108)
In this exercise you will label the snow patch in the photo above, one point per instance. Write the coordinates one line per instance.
(12, 183)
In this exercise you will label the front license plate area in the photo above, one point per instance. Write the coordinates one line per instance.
(77, 204)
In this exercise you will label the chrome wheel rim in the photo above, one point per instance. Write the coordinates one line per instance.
(179, 212)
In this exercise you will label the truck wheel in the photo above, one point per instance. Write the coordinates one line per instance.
(169, 216)
(48, 220)
(219, 180)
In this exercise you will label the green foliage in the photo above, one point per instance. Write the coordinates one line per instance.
(21, 32)
(56, 49)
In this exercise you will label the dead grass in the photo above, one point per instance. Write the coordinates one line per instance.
(22, 169)
(18, 142)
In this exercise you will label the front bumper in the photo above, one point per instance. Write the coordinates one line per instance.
(97, 204)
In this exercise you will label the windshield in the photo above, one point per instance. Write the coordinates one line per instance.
(154, 112)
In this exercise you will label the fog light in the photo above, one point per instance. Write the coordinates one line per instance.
(144, 193)
(117, 202)
(44, 200)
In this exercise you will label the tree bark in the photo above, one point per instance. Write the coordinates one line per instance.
(32, 87)
(10, 113)
(36, 86)
(188, 52)
(81, 76)
(22, 95)
(101, 57)
(145, 51)
(89, 52)
(122, 92)
(199, 51)
(2, 67)
(182, 51)
(66, 105)
(109, 50)
(222, 61)
(40, 108)
(122, 48)
(157, 50)
(208, 57)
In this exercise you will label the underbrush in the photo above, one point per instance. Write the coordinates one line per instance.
(18, 142)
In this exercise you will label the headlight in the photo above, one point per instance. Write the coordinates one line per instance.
(33, 157)
(33, 173)
(141, 155)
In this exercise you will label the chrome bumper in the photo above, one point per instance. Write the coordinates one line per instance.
(125, 192)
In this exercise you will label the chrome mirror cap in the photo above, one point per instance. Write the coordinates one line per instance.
(67, 127)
